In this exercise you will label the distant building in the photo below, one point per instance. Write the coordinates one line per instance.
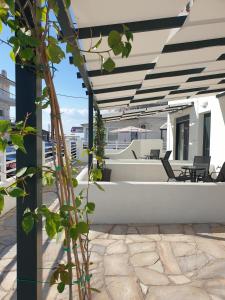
(153, 123)
(77, 129)
(6, 98)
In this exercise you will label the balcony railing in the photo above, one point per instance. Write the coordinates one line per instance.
(8, 159)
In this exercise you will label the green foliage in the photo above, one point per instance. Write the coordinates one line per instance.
(26, 44)
(18, 142)
(109, 65)
(90, 207)
(61, 287)
(16, 191)
(28, 222)
(99, 142)
(48, 178)
(50, 227)
(96, 174)
(1, 202)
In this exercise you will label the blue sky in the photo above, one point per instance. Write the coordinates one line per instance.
(74, 111)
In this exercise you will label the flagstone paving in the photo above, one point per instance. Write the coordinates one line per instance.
(132, 262)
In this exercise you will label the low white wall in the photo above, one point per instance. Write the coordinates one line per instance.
(138, 202)
(141, 170)
(141, 148)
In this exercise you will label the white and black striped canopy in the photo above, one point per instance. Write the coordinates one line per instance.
(177, 52)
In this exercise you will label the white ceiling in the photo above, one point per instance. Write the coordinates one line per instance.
(206, 21)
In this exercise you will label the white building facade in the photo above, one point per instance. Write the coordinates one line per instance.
(198, 130)
(6, 98)
(152, 123)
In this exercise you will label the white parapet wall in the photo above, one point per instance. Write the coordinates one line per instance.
(155, 202)
(140, 147)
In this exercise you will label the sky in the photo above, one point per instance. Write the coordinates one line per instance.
(74, 111)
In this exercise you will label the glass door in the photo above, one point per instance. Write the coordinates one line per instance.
(182, 138)
(206, 134)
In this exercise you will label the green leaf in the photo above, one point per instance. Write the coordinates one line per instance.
(65, 277)
(29, 129)
(21, 172)
(1, 27)
(82, 227)
(68, 3)
(50, 227)
(126, 50)
(4, 126)
(114, 38)
(27, 222)
(117, 49)
(78, 60)
(1, 203)
(44, 211)
(31, 171)
(69, 48)
(97, 44)
(26, 39)
(55, 53)
(18, 142)
(74, 233)
(75, 182)
(67, 208)
(96, 174)
(61, 287)
(27, 54)
(48, 179)
(128, 33)
(90, 207)
(109, 65)
(3, 144)
(99, 186)
(78, 201)
(95, 290)
(16, 192)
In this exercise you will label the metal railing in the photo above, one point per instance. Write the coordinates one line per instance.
(111, 145)
(8, 158)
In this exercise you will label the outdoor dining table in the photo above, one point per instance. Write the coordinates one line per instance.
(193, 171)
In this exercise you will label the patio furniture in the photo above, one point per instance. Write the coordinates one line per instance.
(167, 154)
(202, 162)
(220, 177)
(134, 154)
(154, 153)
(170, 172)
(193, 171)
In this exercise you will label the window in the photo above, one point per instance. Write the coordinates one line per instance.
(206, 134)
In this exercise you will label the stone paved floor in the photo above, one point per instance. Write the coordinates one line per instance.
(132, 262)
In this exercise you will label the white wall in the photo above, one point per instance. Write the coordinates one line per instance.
(201, 106)
(142, 202)
(141, 148)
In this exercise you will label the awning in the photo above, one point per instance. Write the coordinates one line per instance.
(136, 114)
(177, 52)
(130, 129)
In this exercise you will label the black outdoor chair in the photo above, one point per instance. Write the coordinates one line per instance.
(154, 153)
(167, 154)
(202, 162)
(134, 154)
(170, 172)
(220, 177)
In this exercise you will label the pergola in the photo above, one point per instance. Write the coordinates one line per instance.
(178, 52)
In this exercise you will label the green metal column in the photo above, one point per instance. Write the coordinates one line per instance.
(29, 247)
(90, 128)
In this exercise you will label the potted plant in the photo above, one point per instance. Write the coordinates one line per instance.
(99, 146)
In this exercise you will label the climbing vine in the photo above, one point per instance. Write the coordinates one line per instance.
(99, 139)
(37, 43)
